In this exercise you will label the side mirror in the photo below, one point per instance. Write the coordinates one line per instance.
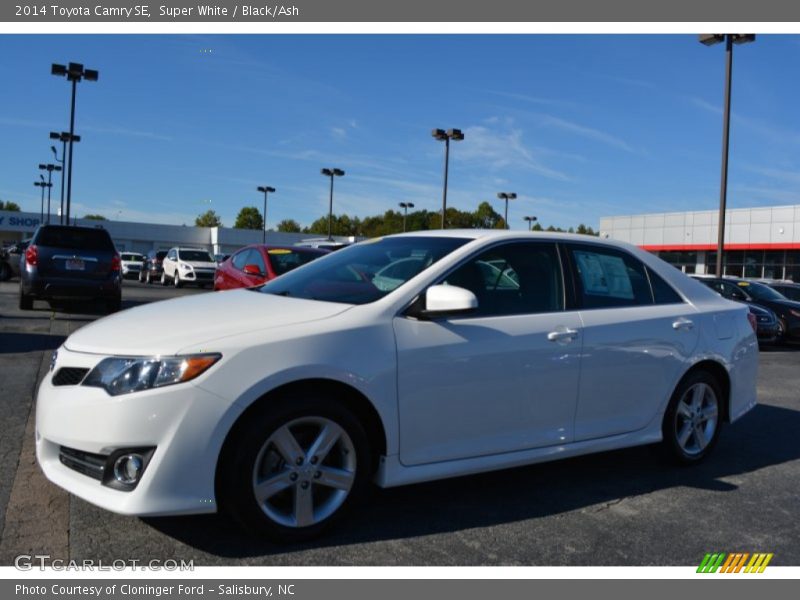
(252, 270)
(447, 300)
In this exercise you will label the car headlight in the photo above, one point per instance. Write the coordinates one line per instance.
(120, 375)
(186, 267)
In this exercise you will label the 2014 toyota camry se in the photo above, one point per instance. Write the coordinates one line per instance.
(478, 350)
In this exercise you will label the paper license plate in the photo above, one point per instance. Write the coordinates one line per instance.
(75, 264)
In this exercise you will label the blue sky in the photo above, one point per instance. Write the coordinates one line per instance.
(579, 126)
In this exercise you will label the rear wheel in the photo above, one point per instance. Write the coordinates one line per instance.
(114, 305)
(25, 301)
(295, 469)
(693, 418)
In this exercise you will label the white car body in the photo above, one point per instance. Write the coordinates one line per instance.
(453, 397)
(131, 263)
(178, 269)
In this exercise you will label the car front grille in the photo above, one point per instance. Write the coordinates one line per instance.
(91, 465)
(69, 376)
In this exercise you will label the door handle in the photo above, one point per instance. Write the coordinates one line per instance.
(562, 335)
(682, 323)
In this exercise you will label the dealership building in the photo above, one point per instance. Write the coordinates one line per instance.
(759, 242)
(141, 237)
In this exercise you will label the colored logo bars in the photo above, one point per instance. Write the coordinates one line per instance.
(734, 563)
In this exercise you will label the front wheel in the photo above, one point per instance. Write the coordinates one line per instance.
(176, 280)
(163, 278)
(693, 418)
(295, 469)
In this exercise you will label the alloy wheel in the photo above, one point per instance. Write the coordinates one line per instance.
(696, 418)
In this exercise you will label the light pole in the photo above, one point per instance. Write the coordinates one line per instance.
(506, 196)
(405, 206)
(42, 184)
(74, 73)
(530, 221)
(446, 136)
(266, 189)
(730, 39)
(63, 137)
(331, 173)
(49, 168)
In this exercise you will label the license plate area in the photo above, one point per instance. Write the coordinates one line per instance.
(74, 264)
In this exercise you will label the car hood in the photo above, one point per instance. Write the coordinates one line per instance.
(163, 328)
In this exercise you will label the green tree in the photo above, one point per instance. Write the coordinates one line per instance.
(487, 218)
(10, 206)
(249, 218)
(208, 219)
(95, 217)
(289, 226)
(537, 227)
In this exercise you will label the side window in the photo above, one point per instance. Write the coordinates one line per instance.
(255, 258)
(240, 259)
(732, 292)
(512, 279)
(173, 255)
(662, 291)
(608, 278)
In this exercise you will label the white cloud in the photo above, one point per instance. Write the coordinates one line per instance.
(587, 132)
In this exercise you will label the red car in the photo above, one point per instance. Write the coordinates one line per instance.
(257, 264)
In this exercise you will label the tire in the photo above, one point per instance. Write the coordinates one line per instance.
(113, 305)
(176, 280)
(693, 418)
(163, 278)
(5, 272)
(331, 486)
(25, 301)
(148, 279)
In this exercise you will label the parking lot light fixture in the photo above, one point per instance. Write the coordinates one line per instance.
(333, 172)
(62, 137)
(711, 39)
(74, 73)
(405, 206)
(266, 189)
(49, 168)
(445, 136)
(530, 221)
(506, 196)
(42, 184)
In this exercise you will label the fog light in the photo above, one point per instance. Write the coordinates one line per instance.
(128, 468)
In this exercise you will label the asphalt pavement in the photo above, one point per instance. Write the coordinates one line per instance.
(627, 507)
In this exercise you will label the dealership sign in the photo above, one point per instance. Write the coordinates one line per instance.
(18, 221)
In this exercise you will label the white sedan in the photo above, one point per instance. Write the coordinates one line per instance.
(497, 349)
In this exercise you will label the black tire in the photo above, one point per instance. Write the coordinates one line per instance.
(147, 278)
(25, 301)
(5, 272)
(163, 278)
(249, 450)
(176, 280)
(113, 305)
(678, 420)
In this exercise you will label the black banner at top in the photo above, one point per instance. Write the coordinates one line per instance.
(450, 11)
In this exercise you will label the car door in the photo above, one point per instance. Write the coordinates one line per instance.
(638, 333)
(500, 379)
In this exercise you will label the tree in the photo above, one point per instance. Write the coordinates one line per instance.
(11, 206)
(208, 219)
(289, 226)
(95, 217)
(249, 218)
(487, 218)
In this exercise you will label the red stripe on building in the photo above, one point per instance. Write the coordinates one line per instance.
(713, 247)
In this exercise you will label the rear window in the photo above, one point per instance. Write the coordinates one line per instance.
(284, 260)
(77, 238)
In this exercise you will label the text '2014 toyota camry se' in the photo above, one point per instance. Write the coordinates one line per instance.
(398, 360)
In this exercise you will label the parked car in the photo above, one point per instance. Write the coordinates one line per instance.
(63, 262)
(131, 264)
(257, 264)
(768, 327)
(789, 290)
(10, 259)
(151, 267)
(188, 265)
(752, 292)
(293, 396)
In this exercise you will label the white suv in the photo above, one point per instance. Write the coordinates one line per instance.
(188, 265)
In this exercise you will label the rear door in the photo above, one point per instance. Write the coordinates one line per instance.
(638, 333)
(74, 252)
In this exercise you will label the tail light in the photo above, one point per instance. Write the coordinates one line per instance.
(752, 318)
(116, 263)
(32, 255)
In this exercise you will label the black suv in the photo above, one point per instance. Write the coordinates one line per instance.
(63, 262)
(151, 267)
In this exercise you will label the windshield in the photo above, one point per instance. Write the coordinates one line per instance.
(364, 272)
(284, 260)
(195, 255)
(759, 291)
(131, 257)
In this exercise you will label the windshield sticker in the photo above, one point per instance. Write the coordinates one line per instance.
(279, 251)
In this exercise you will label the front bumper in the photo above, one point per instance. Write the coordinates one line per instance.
(196, 276)
(185, 425)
